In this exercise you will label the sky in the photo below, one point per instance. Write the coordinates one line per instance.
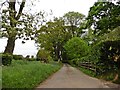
(59, 8)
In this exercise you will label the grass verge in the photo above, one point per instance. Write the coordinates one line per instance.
(84, 70)
(88, 72)
(106, 76)
(24, 74)
(109, 76)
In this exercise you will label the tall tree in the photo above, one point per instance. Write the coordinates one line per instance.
(104, 17)
(13, 16)
(52, 37)
(16, 24)
(73, 21)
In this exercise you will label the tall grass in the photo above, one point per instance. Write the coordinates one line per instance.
(24, 74)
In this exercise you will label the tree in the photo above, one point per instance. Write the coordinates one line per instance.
(16, 24)
(52, 37)
(43, 55)
(76, 48)
(89, 36)
(112, 36)
(73, 21)
(13, 17)
(104, 17)
(56, 33)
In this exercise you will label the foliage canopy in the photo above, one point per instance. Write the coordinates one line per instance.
(76, 48)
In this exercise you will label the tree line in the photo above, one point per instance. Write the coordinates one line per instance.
(72, 37)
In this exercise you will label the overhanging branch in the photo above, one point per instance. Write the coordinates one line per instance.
(20, 10)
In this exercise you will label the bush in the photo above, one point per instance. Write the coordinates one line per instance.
(6, 59)
(103, 54)
(71, 62)
(31, 59)
(18, 57)
(43, 55)
(76, 48)
(28, 58)
(108, 60)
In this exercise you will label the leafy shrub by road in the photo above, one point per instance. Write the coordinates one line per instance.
(18, 57)
(6, 59)
(76, 48)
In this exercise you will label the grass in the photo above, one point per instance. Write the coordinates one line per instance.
(0, 77)
(88, 72)
(109, 76)
(106, 76)
(24, 74)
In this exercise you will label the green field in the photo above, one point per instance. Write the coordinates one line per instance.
(25, 74)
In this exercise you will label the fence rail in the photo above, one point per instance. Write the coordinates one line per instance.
(88, 65)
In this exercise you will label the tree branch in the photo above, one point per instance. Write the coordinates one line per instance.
(12, 11)
(21, 9)
(12, 4)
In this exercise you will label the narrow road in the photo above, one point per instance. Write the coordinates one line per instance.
(70, 77)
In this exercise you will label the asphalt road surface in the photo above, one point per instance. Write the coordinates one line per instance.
(70, 77)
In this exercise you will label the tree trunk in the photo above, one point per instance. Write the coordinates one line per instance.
(14, 17)
(57, 52)
(10, 45)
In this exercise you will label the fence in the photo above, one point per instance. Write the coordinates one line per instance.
(88, 65)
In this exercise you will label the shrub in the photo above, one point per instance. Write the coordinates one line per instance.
(76, 48)
(43, 55)
(6, 59)
(103, 54)
(31, 59)
(32, 56)
(108, 50)
(27, 57)
(18, 57)
(71, 62)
